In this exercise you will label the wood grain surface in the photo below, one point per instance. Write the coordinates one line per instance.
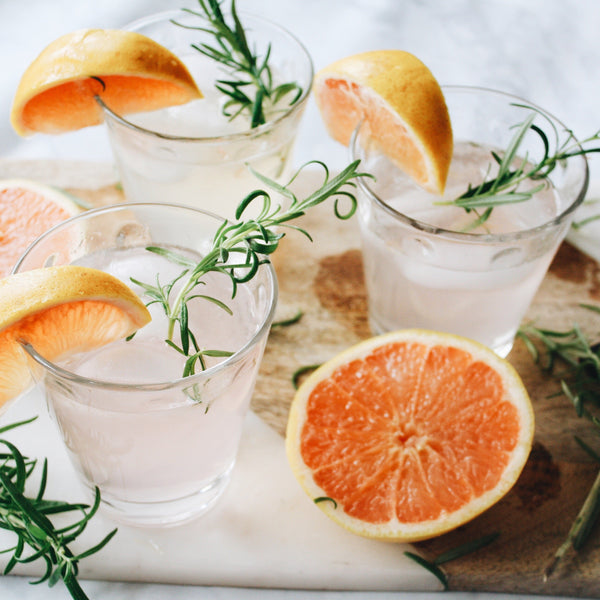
(324, 280)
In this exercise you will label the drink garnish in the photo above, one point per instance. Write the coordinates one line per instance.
(57, 309)
(505, 187)
(28, 517)
(580, 383)
(251, 85)
(400, 107)
(249, 242)
(129, 72)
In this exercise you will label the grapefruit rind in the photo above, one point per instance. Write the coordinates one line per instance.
(57, 310)
(394, 96)
(128, 70)
(395, 530)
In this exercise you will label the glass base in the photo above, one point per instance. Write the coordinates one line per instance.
(170, 513)
(502, 348)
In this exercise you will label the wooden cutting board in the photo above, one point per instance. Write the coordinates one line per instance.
(324, 280)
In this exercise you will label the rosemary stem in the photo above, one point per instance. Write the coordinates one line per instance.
(583, 521)
(252, 241)
(11, 519)
(192, 279)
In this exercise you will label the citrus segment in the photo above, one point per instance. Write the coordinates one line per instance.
(59, 310)
(129, 71)
(411, 434)
(401, 107)
(28, 209)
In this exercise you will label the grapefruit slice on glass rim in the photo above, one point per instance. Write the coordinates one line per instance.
(400, 105)
(127, 70)
(58, 310)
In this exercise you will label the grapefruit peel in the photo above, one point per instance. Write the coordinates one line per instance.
(400, 107)
(127, 70)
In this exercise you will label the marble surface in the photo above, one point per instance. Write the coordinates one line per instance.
(544, 50)
(263, 532)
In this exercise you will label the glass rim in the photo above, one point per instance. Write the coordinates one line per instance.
(469, 236)
(190, 380)
(227, 137)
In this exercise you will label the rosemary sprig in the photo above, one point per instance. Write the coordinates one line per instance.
(433, 566)
(514, 170)
(580, 530)
(580, 383)
(576, 225)
(239, 248)
(250, 79)
(28, 518)
(579, 224)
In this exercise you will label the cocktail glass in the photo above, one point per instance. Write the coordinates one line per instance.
(194, 155)
(159, 447)
(424, 268)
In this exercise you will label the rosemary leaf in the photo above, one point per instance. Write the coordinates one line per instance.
(583, 222)
(298, 373)
(515, 170)
(246, 68)
(239, 248)
(10, 426)
(291, 321)
(429, 566)
(595, 455)
(325, 499)
(468, 547)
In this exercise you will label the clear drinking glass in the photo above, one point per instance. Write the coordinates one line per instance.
(159, 447)
(423, 268)
(192, 154)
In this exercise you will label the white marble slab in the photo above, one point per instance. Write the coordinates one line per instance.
(264, 532)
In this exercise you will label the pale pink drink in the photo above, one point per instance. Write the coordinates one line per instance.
(425, 267)
(159, 447)
(193, 154)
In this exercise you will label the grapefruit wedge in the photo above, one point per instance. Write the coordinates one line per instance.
(400, 105)
(129, 71)
(59, 310)
(28, 209)
(409, 435)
